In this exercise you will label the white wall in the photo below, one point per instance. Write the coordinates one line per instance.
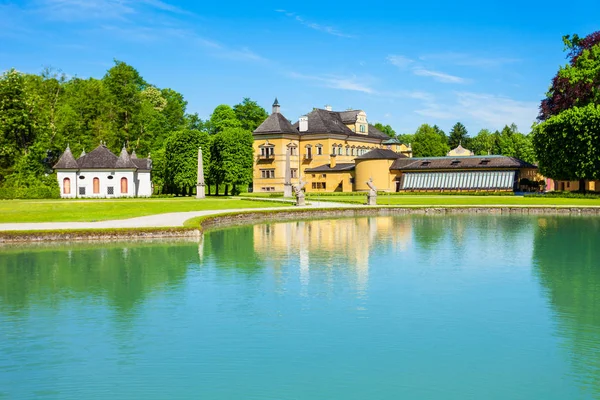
(144, 188)
(72, 175)
(107, 179)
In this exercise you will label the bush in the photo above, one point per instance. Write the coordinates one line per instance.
(45, 188)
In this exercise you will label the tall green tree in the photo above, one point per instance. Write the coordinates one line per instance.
(483, 144)
(181, 159)
(458, 135)
(387, 129)
(223, 117)
(250, 114)
(567, 145)
(576, 84)
(232, 158)
(125, 85)
(428, 142)
(19, 119)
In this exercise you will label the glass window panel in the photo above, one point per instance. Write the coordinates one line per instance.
(470, 178)
(409, 179)
(428, 180)
(436, 180)
(453, 180)
(420, 180)
(464, 180)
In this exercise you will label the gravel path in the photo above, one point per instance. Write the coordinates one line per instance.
(152, 221)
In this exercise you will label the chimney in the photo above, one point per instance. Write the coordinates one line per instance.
(276, 107)
(303, 123)
(332, 161)
(328, 107)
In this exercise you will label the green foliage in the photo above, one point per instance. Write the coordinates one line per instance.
(387, 129)
(250, 114)
(483, 143)
(223, 117)
(458, 136)
(429, 142)
(567, 145)
(233, 157)
(181, 159)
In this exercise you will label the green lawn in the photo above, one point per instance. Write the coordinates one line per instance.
(457, 200)
(99, 210)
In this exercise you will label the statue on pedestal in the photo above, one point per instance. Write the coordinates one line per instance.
(372, 195)
(300, 193)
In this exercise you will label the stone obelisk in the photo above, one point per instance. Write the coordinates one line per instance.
(200, 187)
(287, 185)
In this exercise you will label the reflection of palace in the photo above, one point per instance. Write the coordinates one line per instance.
(329, 242)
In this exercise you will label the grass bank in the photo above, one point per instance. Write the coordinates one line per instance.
(457, 200)
(16, 211)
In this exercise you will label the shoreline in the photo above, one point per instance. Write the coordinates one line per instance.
(197, 226)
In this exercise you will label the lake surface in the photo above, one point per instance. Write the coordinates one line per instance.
(412, 307)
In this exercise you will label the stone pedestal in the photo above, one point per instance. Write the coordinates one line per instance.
(300, 200)
(287, 190)
(200, 191)
(372, 198)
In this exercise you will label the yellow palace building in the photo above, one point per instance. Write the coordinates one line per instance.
(339, 151)
(323, 146)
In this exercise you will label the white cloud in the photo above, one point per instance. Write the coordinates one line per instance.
(439, 76)
(491, 111)
(79, 10)
(399, 61)
(468, 60)
(318, 27)
(337, 82)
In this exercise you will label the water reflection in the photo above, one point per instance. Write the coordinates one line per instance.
(124, 275)
(567, 260)
(405, 304)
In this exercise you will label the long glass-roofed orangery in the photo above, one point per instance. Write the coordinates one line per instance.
(339, 151)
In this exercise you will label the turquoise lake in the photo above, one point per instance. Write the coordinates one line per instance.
(407, 307)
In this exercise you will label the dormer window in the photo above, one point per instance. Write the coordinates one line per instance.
(485, 161)
(425, 163)
(455, 162)
(362, 129)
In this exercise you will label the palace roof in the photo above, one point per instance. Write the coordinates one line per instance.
(381, 154)
(276, 123)
(320, 121)
(337, 168)
(102, 158)
(458, 163)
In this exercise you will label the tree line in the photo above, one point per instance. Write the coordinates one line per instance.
(42, 114)
(431, 141)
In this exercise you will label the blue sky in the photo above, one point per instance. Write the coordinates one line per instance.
(485, 64)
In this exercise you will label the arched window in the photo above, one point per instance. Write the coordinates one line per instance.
(333, 149)
(362, 129)
(347, 150)
(96, 185)
(123, 185)
(339, 150)
(66, 186)
(352, 151)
